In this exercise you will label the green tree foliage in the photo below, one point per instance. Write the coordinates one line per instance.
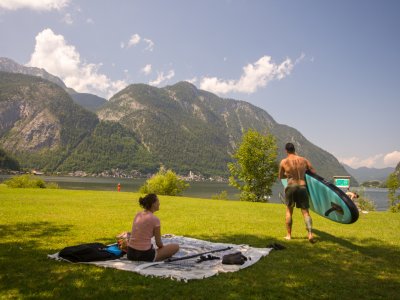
(363, 202)
(8, 162)
(25, 181)
(109, 146)
(393, 184)
(221, 196)
(165, 182)
(255, 167)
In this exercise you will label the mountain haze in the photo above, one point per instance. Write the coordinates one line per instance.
(89, 101)
(369, 174)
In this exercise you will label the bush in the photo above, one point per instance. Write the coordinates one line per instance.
(165, 182)
(221, 196)
(52, 185)
(393, 184)
(364, 203)
(28, 181)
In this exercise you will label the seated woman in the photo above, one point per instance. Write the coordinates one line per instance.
(145, 226)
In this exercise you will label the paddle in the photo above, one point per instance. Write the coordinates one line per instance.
(174, 259)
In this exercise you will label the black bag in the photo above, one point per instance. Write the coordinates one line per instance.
(236, 258)
(86, 253)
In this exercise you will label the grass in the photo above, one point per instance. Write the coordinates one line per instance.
(357, 261)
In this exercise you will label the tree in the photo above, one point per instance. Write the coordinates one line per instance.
(165, 182)
(255, 166)
(393, 184)
(8, 162)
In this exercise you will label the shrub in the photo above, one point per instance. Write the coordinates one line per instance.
(165, 182)
(221, 196)
(364, 203)
(25, 181)
(52, 185)
(29, 181)
(393, 184)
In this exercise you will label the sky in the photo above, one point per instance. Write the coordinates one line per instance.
(329, 68)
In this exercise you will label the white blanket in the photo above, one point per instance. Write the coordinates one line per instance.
(186, 269)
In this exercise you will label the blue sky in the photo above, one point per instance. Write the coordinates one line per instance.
(330, 69)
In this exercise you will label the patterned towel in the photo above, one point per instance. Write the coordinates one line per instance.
(186, 269)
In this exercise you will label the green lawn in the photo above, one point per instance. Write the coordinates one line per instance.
(357, 261)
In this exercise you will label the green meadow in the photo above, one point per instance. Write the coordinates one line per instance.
(357, 261)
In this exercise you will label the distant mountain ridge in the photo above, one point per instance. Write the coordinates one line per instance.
(363, 174)
(89, 101)
(192, 128)
(45, 129)
(10, 66)
(140, 127)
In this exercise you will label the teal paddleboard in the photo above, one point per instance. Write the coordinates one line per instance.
(328, 200)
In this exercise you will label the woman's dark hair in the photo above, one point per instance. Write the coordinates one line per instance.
(147, 201)
(290, 148)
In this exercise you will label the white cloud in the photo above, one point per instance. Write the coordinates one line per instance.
(254, 76)
(357, 162)
(392, 159)
(150, 44)
(300, 58)
(134, 40)
(67, 19)
(161, 77)
(59, 58)
(375, 161)
(89, 21)
(192, 80)
(146, 69)
(38, 5)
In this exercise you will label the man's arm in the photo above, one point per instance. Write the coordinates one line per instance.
(281, 173)
(310, 167)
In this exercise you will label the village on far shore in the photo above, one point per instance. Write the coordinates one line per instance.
(116, 173)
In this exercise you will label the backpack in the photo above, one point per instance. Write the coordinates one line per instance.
(236, 258)
(86, 253)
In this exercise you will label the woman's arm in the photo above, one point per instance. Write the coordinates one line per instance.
(157, 236)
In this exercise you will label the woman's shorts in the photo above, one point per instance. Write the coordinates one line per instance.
(296, 194)
(140, 255)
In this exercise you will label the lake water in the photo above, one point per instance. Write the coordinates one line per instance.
(196, 189)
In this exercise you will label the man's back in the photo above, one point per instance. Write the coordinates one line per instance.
(293, 168)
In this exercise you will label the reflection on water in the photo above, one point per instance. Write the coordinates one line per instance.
(196, 189)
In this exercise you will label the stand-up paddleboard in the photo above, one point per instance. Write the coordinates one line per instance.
(328, 200)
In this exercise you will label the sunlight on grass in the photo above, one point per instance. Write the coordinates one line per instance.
(34, 223)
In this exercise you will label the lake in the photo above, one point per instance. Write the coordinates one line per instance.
(196, 189)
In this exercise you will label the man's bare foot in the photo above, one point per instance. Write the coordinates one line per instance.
(311, 238)
(288, 237)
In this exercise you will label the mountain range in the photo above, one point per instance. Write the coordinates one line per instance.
(363, 174)
(139, 128)
(89, 101)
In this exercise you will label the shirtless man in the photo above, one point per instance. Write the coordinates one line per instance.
(352, 195)
(293, 167)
